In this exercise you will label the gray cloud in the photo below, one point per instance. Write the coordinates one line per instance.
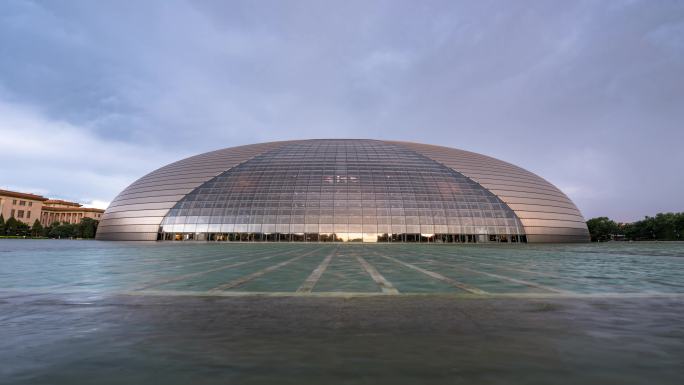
(587, 94)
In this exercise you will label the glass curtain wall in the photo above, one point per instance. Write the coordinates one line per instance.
(344, 191)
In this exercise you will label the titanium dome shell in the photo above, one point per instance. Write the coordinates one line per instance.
(343, 190)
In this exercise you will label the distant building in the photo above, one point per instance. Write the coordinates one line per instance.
(29, 207)
(22, 206)
(64, 211)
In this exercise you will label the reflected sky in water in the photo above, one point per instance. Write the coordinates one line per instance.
(188, 268)
(116, 313)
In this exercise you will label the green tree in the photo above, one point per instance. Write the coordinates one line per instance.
(63, 230)
(23, 229)
(48, 229)
(679, 227)
(647, 229)
(36, 229)
(2, 225)
(11, 226)
(662, 227)
(637, 231)
(665, 226)
(87, 228)
(602, 228)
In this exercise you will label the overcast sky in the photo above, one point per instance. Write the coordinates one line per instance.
(587, 94)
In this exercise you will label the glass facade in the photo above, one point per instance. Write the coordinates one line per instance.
(344, 191)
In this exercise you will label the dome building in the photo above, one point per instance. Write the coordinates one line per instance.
(342, 190)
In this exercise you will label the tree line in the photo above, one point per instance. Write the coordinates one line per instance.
(87, 228)
(662, 227)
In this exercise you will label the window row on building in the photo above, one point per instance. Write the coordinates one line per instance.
(20, 202)
(20, 214)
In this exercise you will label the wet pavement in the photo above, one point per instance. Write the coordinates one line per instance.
(113, 313)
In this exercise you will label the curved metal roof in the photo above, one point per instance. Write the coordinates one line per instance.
(528, 201)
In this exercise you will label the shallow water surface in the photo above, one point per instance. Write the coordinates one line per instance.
(219, 268)
(83, 312)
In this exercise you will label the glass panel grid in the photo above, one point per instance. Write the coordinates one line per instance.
(346, 185)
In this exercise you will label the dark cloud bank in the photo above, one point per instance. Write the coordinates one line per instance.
(588, 94)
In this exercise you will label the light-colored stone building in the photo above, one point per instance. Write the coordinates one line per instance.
(22, 206)
(29, 207)
(64, 211)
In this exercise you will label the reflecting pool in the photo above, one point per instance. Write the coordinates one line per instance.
(118, 313)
